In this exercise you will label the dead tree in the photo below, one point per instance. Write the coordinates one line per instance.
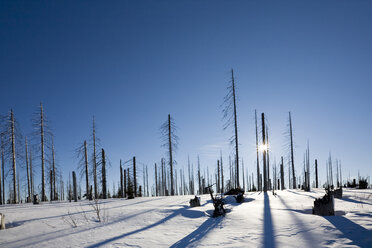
(134, 176)
(282, 174)
(268, 159)
(27, 174)
(264, 152)
(170, 142)
(51, 184)
(199, 177)
(222, 179)
(121, 181)
(83, 165)
(13, 157)
(1, 184)
(125, 183)
(74, 185)
(316, 173)
(87, 185)
(2, 167)
(10, 152)
(219, 178)
(230, 116)
(40, 125)
(156, 181)
(292, 157)
(259, 188)
(55, 195)
(94, 157)
(104, 179)
(31, 175)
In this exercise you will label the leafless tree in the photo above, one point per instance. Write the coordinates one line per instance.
(83, 165)
(170, 142)
(230, 117)
(11, 149)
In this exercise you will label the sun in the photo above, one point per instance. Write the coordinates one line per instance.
(263, 147)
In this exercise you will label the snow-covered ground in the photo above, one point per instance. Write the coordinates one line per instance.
(263, 220)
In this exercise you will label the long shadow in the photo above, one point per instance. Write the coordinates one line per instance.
(357, 234)
(183, 211)
(354, 201)
(61, 233)
(193, 238)
(304, 229)
(269, 240)
(301, 194)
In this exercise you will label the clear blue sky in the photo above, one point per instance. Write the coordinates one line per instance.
(130, 63)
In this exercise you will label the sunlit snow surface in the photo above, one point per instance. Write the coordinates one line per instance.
(263, 220)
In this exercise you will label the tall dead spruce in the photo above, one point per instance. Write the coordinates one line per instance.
(94, 159)
(292, 157)
(170, 142)
(42, 132)
(230, 117)
(12, 139)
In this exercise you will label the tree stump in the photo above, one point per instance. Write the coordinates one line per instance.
(239, 198)
(2, 221)
(36, 199)
(337, 193)
(324, 206)
(195, 202)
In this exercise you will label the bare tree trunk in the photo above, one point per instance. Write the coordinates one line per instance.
(28, 174)
(199, 179)
(156, 181)
(292, 158)
(243, 175)
(222, 179)
(170, 153)
(134, 176)
(316, 173)
(3, 167)
(218, 174)
(55, 196)
(163, 177)
(88, 193)
(125, 183)
(236, 132)
(43, 196)
(104, 181)
(95, 181)
(264, 152)
(282, 174)
(268, 159)
(259, 188)
(13, 157)
(74, 185)
(51, 184)
(1, 185)
(121, 181)
(147, 182)
(31, 176)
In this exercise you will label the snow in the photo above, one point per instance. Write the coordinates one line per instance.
(263, 220)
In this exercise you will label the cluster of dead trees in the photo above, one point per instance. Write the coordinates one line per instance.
(19, 156)
(18, 153)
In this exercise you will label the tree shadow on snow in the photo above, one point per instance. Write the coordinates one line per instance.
(185, 211)
(269, 240)
(193, 238)
(359, 235)
(354, 201)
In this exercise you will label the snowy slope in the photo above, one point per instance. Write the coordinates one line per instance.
(263, 220)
